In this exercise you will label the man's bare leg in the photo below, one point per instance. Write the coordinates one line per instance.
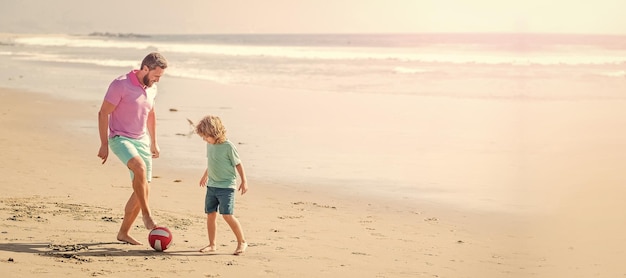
(141, 190)
(131, 211)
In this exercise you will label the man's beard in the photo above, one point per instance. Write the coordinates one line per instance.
(146, 81)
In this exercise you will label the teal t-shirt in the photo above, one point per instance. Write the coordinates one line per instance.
(222, 159)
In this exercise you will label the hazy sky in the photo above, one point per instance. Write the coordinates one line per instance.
(312, 16)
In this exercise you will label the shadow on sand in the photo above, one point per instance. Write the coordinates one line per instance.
(100, 249)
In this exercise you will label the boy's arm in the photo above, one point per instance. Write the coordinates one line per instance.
(205, 178)
(243, 187)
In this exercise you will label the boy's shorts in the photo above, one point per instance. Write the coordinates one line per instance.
(126, 148)
(222, 198)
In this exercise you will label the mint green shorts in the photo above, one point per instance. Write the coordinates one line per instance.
(126, 148)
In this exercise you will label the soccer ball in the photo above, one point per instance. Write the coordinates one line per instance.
(160, 238)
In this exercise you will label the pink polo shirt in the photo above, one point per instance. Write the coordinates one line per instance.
(132, 105)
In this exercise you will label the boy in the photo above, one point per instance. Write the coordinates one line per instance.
(220, 180)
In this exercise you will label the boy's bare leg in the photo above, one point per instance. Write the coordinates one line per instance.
(131, 211)
(236, 227)
(211, 225)
(140, 188)
(241, 248)
(209, 248)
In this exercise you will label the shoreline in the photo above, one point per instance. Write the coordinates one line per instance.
(81, 110)
(306, 178)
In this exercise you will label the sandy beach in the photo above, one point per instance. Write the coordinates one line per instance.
(526, 182)
(467, 139)
(60, 210)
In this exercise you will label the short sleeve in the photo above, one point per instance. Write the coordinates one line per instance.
(234, 156)
(114, 93)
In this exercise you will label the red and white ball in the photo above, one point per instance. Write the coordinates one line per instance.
(160, 238)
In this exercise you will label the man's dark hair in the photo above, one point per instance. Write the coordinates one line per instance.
(154, 60)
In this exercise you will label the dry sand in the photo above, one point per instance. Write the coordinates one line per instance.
(60, 210)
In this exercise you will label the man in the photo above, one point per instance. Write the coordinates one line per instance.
(126, 113)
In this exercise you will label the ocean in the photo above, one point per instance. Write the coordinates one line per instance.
(412, 64)
(396, 114)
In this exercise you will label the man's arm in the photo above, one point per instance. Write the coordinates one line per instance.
(103, 128)
(154, 146)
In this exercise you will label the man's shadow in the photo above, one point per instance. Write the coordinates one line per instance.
(99, 249)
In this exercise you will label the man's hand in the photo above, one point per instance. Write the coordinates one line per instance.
(103, 153)
(155, 150)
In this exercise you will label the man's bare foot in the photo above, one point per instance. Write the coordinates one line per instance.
(241, 247)
(148, 222)
(128, 239)
(208, 248)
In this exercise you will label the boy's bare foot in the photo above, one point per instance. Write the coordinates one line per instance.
(241, 247)
(148, 222)
(128, 239)
(208, 248)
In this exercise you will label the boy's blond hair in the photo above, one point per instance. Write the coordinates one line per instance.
(211, 126)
